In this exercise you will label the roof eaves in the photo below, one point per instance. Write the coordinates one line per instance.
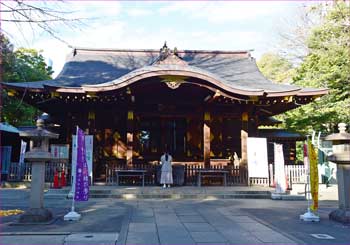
(311, 92)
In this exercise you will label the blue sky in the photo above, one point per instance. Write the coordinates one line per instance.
(235, 25)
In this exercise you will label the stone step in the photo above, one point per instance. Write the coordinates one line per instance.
(174, 196)
(157, 191)
(163, 194)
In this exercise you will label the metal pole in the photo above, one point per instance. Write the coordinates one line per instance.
(73, 184)
(72, 215)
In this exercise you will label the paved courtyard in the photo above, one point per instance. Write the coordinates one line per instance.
(167, 221)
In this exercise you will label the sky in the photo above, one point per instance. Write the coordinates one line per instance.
(208, 25)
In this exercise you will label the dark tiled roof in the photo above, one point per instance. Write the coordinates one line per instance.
(8, 128)
(269, 121)
(102, 67)
(280, 133)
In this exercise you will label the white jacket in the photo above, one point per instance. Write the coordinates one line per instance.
(166, 165)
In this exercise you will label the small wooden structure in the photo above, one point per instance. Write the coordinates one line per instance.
(10, 144)
(200, 105)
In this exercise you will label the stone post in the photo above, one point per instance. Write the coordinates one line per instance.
(38, 155)
(341, 156)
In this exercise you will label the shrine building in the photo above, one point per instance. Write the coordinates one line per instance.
(199, 104)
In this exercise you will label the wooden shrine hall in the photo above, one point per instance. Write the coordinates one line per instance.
(202, 105)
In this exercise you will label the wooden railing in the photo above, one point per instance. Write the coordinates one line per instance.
(24, 172)
(296, 174)
(236, 176)
(183, 174)
(150, 176)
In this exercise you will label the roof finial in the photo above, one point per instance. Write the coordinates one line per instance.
(175, 51)
(342, 127)
(164, 52)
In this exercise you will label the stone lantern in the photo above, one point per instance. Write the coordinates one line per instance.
(341, 156)
(38, 155)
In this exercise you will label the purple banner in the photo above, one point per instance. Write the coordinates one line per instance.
(82, 173)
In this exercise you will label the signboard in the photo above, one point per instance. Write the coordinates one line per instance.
(59, 151)
(88, 154)
(257, 157)
(280, 175)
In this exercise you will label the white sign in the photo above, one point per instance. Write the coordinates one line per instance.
(257, 157)
(88, 153)
(280, 176)
(59, 151)
(22, 152)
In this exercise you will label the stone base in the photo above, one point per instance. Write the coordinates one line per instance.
(340, 215)
(36, 215)
(310, 217)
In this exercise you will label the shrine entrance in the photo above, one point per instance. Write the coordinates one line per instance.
(156, 134)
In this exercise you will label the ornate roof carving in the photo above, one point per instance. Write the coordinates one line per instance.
(168, 57)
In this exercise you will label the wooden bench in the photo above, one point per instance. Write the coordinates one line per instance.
(132, 173)
(211, 173)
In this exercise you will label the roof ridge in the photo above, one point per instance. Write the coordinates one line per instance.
(157, 50)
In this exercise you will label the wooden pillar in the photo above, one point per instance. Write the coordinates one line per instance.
(129, 136)
(91, 122)
(206, 139)
(244, 137)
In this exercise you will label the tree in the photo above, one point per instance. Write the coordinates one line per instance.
(326, 65)
(276, 68)
(294, 33)
(22, 65)
(28, 66)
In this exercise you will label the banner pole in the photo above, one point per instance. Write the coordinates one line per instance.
(72, 215)
(309, 216)
(73, 187)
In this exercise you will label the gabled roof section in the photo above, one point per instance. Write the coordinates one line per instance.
(234, 71)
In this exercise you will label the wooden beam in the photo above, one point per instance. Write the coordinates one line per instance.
(91, 122)
(206, 139)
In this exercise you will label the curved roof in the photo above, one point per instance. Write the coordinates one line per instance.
(106, 69)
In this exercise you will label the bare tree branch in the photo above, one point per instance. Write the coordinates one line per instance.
(45, 18)
(35, 21)
(294, 33)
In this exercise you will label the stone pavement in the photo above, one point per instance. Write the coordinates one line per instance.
(175, 223)
(169, 221)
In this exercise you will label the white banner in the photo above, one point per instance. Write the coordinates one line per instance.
(22, 152)
(88, 153)
(257, 157)
(280, 175)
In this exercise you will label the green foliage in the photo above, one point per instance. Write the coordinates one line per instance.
(22, 65)
(276, 68)
(28, 66)
(326, 66)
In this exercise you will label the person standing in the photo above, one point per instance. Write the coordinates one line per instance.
(166, 177)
